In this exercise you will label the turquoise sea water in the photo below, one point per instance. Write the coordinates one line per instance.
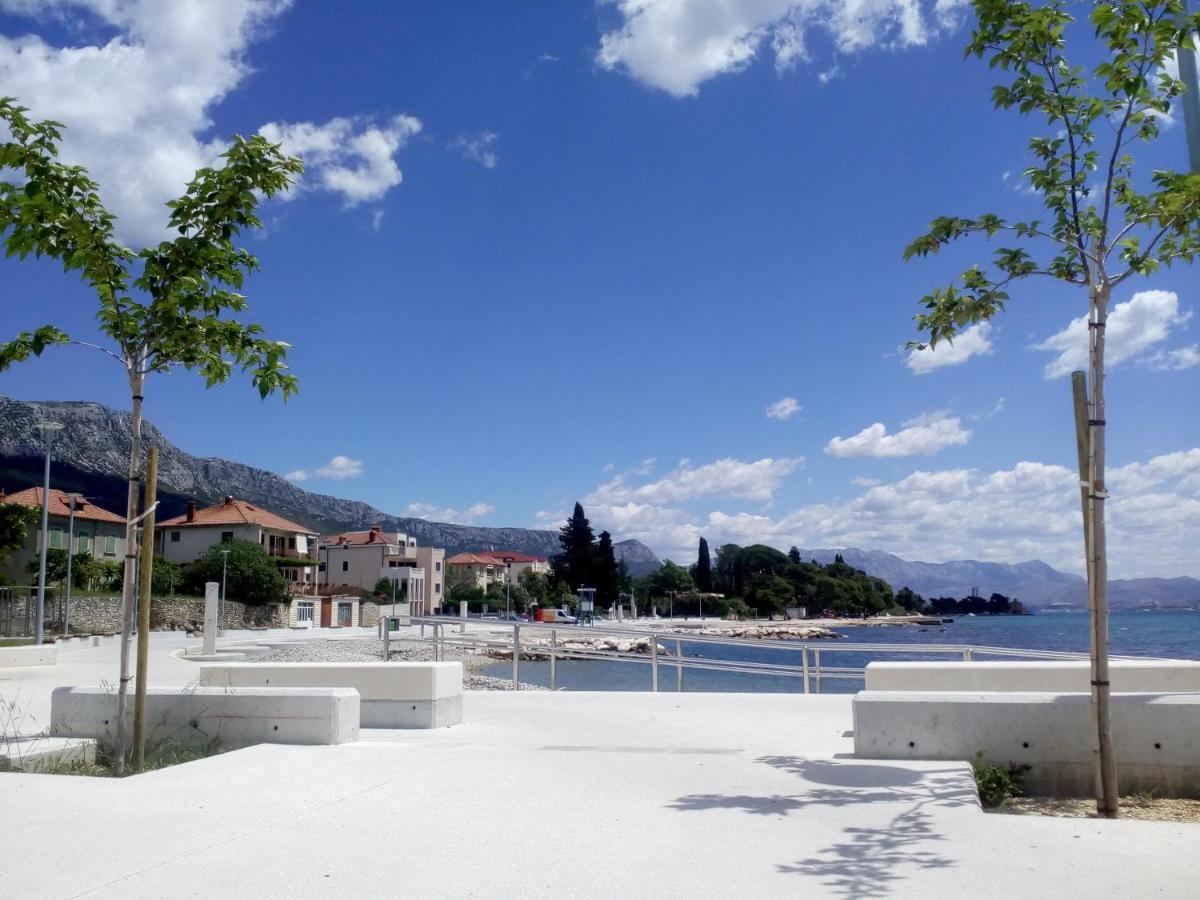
(1162, 634)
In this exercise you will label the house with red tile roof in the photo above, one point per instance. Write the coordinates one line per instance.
(474, 570)
(360, 559)
(186, 538)
(97, 530)
(516, 564)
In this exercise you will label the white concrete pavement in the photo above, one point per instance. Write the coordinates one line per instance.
(540, 794)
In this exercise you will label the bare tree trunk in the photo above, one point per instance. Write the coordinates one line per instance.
(1106, 795)
(145, 580)
(129, 585)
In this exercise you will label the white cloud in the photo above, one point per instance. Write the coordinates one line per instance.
(1141, 322)
(783, 409)
(1182, 358)
(351, 157)
(137, 106)
(756, 480)
(923, 435)
(337, 469)
(432, 513)
(677, 45)
(972, 341)
(1029, 511)
(478, 148)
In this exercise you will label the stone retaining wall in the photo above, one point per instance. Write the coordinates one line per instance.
(102, 615)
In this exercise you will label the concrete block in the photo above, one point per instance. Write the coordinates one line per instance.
(1154, 736)
(38, 753)
(229, 717)
(394, 695)
(1055, 676)
(45, 655)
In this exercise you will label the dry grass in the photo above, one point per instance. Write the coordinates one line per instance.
(1135, 807)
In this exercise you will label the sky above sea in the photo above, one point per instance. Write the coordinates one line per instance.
(646, 255)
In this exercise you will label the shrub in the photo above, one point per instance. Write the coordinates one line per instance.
(252, 575)
(997, 785)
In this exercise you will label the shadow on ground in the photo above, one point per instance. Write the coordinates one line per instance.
(867, 862)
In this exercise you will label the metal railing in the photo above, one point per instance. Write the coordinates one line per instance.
(505, 639)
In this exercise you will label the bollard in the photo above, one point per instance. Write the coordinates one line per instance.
(654, 663)
(678, 667)
(463, 613)
(516, 657)
(211, 599)
(553, 659)
(817, 664)
(804, 660)
(967, 655)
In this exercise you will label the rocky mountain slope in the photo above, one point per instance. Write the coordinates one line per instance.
(91, 454)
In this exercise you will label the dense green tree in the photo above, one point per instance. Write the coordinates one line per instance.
(1105, 222)
(15, 522)
(573, 564)
(770, 594)
(667, 577)
(909, 601)
(251, 577)
(56, 567)
(166, 578)
(794, 554)
(703, 575)
(605, 574)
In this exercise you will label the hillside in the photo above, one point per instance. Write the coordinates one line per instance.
(92, 451)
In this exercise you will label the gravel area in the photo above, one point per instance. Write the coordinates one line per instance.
(368, 649)
(1159, 809)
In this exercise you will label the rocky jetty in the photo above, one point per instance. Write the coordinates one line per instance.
(541, 649)
(773, 632)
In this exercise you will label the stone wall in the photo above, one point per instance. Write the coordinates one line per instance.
(368, 613)
(102, 615)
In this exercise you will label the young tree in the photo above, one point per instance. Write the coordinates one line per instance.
(164, 307)
(573, 565)
(1104, 226)
(703, 575)
(251, 575)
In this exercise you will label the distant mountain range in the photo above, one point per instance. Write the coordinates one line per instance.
(91, 455)
(1034, 583)
(92, 452)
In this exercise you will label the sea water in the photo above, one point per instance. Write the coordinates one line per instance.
(1170, 635)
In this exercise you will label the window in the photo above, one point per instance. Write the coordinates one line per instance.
(56, 539)
(321, 567)
(437, 566)
(437, 588)
(226, 537)
(83, 542)
(345, 615)
(345, 565)
(174, 537)
(110, 544)
(304, 611)
(291, 543)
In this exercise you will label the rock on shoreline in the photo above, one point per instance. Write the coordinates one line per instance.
(766, 632)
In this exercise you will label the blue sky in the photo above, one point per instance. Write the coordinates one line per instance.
(557, 251)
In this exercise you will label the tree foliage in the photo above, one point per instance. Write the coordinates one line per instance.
(15, 522)
(703, 575)
(251, 575)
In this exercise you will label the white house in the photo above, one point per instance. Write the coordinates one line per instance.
(359, 559)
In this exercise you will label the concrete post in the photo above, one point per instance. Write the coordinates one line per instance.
(462, 614)
(516, 660)
(212, 596)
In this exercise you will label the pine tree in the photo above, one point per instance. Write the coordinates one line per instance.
(573, 565)
(605, 573)
(703, 575)
(794, 555)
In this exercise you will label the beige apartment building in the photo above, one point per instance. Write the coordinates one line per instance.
(359, 559)
(97, 531)
(186, 538)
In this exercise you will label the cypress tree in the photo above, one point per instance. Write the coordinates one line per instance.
(703, 576)
(573, 564)
(605, 572)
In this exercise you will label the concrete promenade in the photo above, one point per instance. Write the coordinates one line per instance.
(542, 794)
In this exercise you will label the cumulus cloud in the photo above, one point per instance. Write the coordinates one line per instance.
(350, 157)
(1182, 358)
(337, 469)
(783, 409)
(480, 148)
(1028, 511)
(432, 513)
(676, 46)
(1144, 320)
(972, 341)
(757, 480)
(925, 434)
(136, 106)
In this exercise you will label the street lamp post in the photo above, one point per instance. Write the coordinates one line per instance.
(508, 561)
(221, 613)
(74, 500)
(48, 430)
(1190, 99)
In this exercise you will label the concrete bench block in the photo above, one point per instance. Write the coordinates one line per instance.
(202, 716)
(1154, 736)
(1054, 676)
(394, 695)
(45, 655)
(37, 753)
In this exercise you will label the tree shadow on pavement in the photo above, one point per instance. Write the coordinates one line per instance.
(869, 860)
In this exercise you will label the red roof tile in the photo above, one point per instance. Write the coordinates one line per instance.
(235, 512)
(513, 555)
(470, 559)
(360, 538)
(32, 497)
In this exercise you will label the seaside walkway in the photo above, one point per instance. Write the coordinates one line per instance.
(588, 794)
